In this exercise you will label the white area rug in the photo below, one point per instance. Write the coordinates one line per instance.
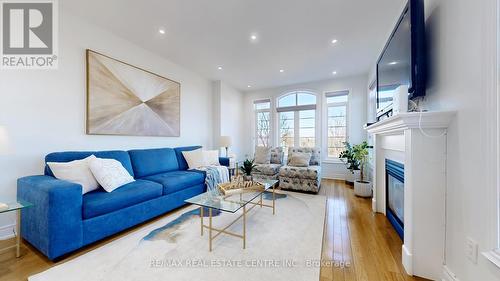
(286, 246)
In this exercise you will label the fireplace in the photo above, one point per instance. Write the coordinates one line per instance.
(400, 138)
(395, 193)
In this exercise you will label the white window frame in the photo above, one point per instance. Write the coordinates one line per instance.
(347, 92)
(256, 118)
(296, 116)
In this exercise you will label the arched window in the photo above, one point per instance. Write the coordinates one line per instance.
(297, 119)
(297, 99)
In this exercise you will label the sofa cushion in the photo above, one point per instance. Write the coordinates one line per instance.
(307, 185)
(262, 155)
(267, 169)
(147, 162)
(100, 202)
(194, 158)
(180, 158)
(277, 155)
(177, 180)
(76, 171)
(109, 173)
(311, 172)
(122, 156)
(299, 159)
(315, 154)
(211, 157)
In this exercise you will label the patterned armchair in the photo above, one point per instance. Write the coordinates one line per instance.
(271, 170)
(302, 178)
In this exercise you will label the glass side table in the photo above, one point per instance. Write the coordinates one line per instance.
(17, 207)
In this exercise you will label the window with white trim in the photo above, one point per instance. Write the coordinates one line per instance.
(263, 123)
(337, 119)
(297, 119)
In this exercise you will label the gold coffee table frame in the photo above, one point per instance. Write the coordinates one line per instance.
(211, 229)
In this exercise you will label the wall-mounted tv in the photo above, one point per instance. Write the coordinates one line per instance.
(403, 60)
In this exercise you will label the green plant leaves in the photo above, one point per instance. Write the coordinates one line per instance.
(348, 154)
(247, 167)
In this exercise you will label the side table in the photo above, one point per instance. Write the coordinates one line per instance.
(17, 207)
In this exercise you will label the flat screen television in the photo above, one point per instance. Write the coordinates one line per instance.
(403, 60)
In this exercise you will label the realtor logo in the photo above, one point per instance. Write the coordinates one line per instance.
(29, 34)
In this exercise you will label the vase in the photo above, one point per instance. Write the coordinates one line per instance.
(247, 177)
(357, 175)
(349, 177)
(363, 188)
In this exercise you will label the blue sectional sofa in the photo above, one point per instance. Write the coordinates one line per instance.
(63, 220)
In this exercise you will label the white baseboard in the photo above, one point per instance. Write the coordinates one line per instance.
(448, 275)
(407, 259)
(7, 231)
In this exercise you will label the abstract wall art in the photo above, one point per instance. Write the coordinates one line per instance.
(126, 100)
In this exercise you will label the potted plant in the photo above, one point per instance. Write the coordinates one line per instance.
(347, 157)
(247, 168)
(362, 187)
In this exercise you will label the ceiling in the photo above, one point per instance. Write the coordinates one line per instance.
(293, 35)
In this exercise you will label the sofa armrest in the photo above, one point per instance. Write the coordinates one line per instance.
(54, 224)
(224, 161)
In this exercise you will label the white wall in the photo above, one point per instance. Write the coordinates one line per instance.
(458, 33)
(357, 87)
(44, 111)
(228, 117)
(460, 38)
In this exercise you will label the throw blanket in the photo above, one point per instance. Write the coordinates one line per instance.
(215, 176)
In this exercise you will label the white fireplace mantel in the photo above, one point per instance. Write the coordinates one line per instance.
(417, 140)
(412, 120)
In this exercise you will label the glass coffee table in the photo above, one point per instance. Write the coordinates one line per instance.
(211, 200)
(16, 207)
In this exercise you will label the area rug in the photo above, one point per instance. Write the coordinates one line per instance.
(286, 246)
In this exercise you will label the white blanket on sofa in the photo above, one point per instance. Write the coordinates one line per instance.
(215, 176)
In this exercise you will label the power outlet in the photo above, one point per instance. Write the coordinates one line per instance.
(471, 248)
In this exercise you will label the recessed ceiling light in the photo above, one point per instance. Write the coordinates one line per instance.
(393, 63)
(248, 86)
(253, 37)
(219, 68)
(161, 31)
(334, 72)
(334, 41)
(282, 70)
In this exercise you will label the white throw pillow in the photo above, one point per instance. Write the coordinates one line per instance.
(211, 157)
(194, 158)
(110, 173)
(262, 155)
(77, 171)
(300, 159)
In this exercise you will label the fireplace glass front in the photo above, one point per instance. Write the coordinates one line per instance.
(395, 195)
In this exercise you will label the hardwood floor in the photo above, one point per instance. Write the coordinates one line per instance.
(357, 244)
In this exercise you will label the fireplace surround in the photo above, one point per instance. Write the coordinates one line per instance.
(417, 141)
